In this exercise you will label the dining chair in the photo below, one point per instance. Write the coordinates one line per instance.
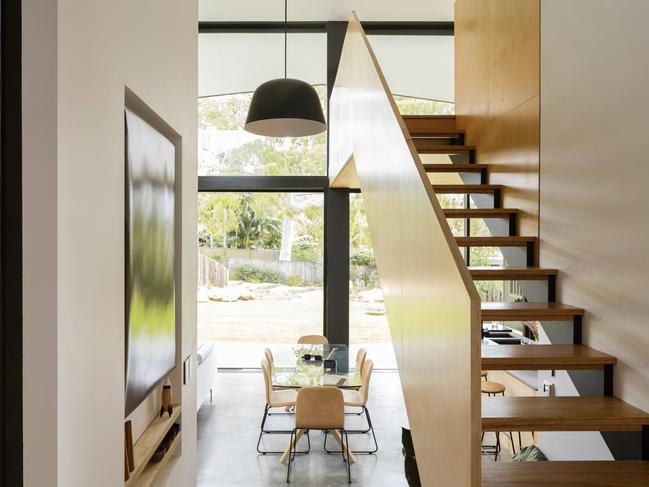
(361, 355)
(313, 340)
(320, 408)
(358, 399)
(275, 399)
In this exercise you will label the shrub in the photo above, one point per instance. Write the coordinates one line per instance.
(305, 252)
(257, 274)
(294, 280)
(364, 257)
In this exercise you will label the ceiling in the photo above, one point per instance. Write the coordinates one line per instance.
(231, 63)
(323, 10)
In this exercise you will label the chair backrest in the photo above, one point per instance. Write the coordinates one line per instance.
(361, 355)
(268, 378)
(269, 356)
(313, 340)
(321, 407)
(366, 375)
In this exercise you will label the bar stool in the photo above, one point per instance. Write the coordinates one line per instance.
(492, 389)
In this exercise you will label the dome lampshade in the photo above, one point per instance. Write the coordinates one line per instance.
(285, 107)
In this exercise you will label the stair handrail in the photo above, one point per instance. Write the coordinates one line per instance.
(432, 304)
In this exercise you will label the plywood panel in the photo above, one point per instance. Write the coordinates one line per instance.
(431, 302)
(497, 95)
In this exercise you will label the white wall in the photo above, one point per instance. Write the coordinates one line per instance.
(594, 174)
(79, 55)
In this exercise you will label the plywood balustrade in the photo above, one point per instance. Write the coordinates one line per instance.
(432, 305)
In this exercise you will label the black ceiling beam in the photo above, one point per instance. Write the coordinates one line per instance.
(260, 27)
(371, 28)
(263, 184)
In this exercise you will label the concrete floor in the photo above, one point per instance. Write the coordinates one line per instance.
(228, 430)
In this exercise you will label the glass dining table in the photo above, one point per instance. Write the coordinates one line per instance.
(300, 365)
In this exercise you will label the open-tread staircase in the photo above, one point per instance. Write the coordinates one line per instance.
(438, 135)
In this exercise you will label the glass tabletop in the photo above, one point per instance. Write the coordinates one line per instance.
(301, 365)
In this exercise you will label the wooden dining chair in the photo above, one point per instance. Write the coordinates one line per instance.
(313, 340)
(361, 355)
(358, 399)
(320, 408)
(275, 399)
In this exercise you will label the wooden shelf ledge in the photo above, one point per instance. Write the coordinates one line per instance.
(153, 470)
(543, 357)
(498, 311)
(148, 443)
(560, 414)
(565, 474)
(512, 273)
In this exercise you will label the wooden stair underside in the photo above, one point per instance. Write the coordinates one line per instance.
(466, 188)
(499, 311)
(455, 167)
(560, 414)
(565, 474)
(479, 212)
(494, 241)
(430, 146)
(543, 357)
(512, 273)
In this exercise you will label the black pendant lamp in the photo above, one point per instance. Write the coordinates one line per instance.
(285, 107)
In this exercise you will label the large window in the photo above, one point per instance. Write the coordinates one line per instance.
(368, 322)
(260, 271)
(226, 149)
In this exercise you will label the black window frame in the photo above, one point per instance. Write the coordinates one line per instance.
(11, 390)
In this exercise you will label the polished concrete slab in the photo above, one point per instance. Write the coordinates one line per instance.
(229, 427)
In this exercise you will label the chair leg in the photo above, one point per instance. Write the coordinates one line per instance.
(347, 449)
(290, 458)
(275, 432)
(370, 430)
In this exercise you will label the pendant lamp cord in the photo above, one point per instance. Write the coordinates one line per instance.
(285, 34)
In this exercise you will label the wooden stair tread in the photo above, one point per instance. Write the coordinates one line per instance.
(424, 147)
(479, 212)
(560, 414)
(499, 311)
(494, 241)
(543, 357)
(466, 188)
(512, 273)
(422, 125)
(455, 167)
(566, 474)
